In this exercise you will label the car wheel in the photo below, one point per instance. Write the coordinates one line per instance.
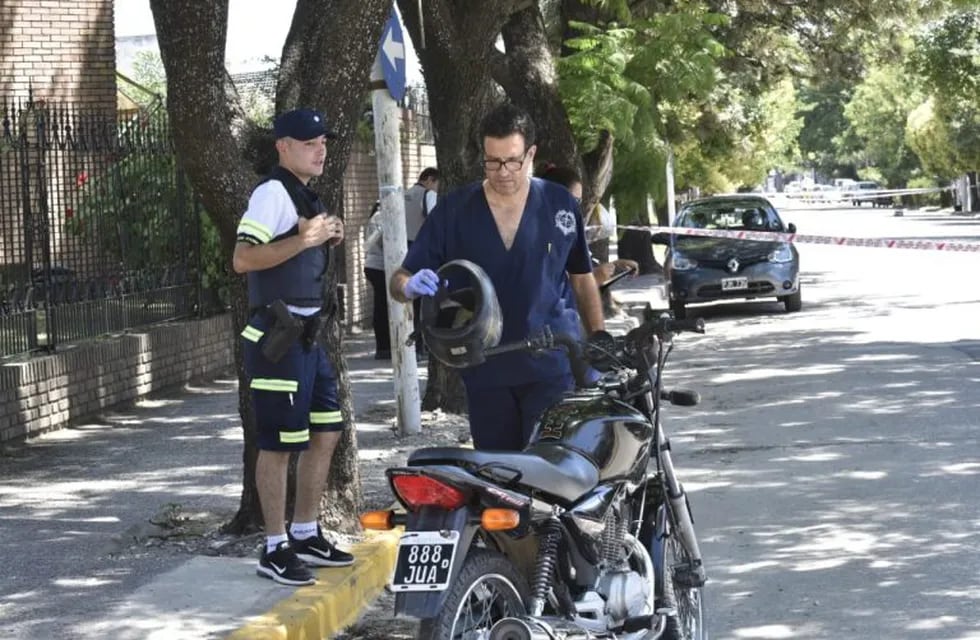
(794, 301)
(677, 306)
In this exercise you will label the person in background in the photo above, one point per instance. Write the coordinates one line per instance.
(528, 236)
(602, 270)
(420, 199)
(374, 272)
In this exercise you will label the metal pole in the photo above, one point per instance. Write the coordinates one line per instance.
(670, 186)
(387, 147)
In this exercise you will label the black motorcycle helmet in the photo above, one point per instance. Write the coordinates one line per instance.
(463, 318)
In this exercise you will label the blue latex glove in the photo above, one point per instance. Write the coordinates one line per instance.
(423, 283)
(592, 377)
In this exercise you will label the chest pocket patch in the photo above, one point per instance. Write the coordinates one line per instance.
(565, 222)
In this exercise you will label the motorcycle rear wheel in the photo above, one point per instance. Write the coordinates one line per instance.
(487, 589)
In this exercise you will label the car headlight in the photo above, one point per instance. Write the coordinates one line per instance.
(680, 263)
(783, 253)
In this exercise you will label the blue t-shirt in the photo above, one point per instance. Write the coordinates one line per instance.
(530, 278)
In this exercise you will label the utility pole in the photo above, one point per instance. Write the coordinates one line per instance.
(387, 147)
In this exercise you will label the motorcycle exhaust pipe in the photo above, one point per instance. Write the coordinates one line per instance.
(560, 629)
(519, 629)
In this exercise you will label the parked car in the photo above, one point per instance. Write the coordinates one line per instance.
(857, 199)
(708, 269)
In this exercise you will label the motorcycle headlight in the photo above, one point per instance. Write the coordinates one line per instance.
(781, 254)
(681, 263)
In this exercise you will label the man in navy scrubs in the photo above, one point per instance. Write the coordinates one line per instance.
(528, 235)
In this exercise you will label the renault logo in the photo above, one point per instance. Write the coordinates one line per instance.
(733, 265)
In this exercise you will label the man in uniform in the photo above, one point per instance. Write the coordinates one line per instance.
(528, 236)
(283, 243)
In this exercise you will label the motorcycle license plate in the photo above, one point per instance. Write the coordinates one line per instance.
(425, 560)
(734, 284)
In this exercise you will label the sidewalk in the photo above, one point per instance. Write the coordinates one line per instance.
(83, 558)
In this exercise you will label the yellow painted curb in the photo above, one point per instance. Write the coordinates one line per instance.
(335, 601)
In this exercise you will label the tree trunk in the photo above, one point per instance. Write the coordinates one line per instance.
(635, 245)
(527, 74)
(456, 58)
(208, 128)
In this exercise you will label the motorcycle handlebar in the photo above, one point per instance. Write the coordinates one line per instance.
(662, 326)
(549, 340)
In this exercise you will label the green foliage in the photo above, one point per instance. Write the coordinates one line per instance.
(764, 135)
(148, 71)
(594, 87)
(645, 83)
(824, 142)
(925, 199)
(129, 208)
(140, 208)
(947, 57)
(877, 113)
(928, 137)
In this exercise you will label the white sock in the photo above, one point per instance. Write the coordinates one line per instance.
(271, 542)
(303, 530)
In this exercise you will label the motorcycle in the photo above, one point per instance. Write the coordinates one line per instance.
(574, 537)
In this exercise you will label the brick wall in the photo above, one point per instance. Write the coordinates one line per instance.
(360, 194)
(55, 391)
(65, 51)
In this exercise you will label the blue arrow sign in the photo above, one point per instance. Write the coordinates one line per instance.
(393, 57)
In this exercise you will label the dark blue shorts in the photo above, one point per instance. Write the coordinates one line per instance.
(292, 397)
(503, 418)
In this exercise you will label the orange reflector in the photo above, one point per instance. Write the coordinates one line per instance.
(500, 519)
(377, 520)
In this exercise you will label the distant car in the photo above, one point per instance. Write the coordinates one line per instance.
(876, 201)
(708, 269)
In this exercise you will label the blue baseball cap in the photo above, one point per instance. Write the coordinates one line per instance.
(302, 124)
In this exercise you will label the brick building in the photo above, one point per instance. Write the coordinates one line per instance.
(61, 51)
(360, 193)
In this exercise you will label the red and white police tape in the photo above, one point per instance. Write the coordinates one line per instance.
(801, 238)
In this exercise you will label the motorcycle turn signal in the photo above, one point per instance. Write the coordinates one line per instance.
(500, 519)
(380, 520)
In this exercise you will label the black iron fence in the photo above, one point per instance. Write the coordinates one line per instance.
(99, 229)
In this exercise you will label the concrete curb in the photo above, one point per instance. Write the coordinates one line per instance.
(335, 601)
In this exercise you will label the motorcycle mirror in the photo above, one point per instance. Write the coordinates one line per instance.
(682, 397)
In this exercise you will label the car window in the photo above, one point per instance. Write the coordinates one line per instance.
(747, 216)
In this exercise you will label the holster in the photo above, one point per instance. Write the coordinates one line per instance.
(283, 331)
(311, 330)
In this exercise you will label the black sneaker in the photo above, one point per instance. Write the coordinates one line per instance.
(284, 567)
(318, 552)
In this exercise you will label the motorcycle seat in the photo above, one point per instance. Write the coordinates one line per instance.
(554, 470)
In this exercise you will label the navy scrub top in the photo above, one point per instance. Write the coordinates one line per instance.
(530, 279)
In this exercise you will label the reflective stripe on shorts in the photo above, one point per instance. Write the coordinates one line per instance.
(275, 384)
(293, 437)
(326, 417)
(251, 333)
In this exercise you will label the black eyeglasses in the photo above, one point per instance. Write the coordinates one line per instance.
(511, 164)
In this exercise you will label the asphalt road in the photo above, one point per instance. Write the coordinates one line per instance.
(834, 463)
